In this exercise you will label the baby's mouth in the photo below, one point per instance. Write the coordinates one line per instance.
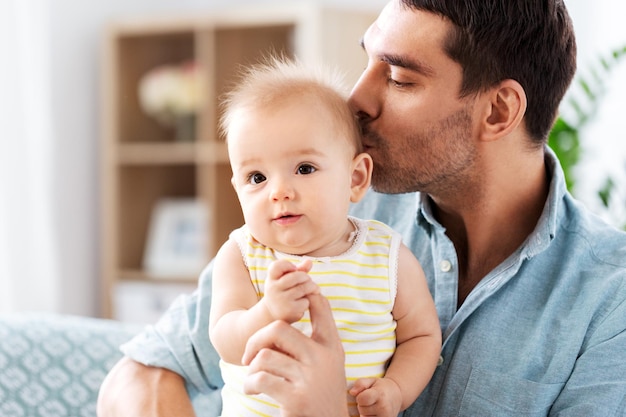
(287, 218)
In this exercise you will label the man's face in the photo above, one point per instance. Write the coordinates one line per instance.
(416, 128)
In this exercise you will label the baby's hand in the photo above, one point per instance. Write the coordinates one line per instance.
(287, 288)
(377, 397)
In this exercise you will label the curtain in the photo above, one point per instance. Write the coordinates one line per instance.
(28, 270)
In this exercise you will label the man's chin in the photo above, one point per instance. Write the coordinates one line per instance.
(383, 187)
(383, 184)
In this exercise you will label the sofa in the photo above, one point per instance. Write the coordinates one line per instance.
(52, 365)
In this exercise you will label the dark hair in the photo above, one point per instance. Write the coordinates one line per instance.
(529, 41)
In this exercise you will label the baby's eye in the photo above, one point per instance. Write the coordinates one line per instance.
(306, 169)
(256, 178)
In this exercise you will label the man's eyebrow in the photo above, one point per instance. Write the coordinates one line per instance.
(403, 62)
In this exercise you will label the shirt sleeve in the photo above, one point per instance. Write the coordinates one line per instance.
(597, 386)
(179, 341)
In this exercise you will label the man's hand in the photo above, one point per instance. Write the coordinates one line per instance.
(380, 397)
(305, 375)
(132, 389)
(287, 289)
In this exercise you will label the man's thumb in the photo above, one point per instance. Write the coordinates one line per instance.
(322, 322)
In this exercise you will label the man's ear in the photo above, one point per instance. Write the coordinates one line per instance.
(362, 166)
(504, 110)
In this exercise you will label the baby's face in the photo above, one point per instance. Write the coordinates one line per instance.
(292, 173)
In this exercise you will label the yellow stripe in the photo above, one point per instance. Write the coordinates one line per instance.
(360, 300)
(271, 255)
(368, 313)
(383, 255)
(335, 272)
(370, 351)
(258, 413)
(338, 261)
(385, 237)
(335, 285)
(352, 274)
(259, 256)
(383, 244)
(392, 337)
(387, 330)
(364, 365)
(346, 322)
(257, 245)
(352, 262)
(352, 379)
(264, 402)
(257, 268)
(354, 287)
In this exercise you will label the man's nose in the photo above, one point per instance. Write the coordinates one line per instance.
(365, 97)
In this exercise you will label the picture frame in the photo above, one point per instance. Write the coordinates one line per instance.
(176, 245)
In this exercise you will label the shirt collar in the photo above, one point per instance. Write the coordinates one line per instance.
(546, 227)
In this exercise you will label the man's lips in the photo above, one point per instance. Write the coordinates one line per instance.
(368, 138)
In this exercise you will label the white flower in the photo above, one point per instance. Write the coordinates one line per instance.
(171, 91)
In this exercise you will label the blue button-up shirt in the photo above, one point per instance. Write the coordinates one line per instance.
(542, 334)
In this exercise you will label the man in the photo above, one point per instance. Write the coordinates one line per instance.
(456, 103)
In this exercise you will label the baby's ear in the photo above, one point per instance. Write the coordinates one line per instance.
(362, 166)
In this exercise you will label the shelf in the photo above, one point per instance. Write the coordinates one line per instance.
(142, 162)
(146, 153)
(143, 276)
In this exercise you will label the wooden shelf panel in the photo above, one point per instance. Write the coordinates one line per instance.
(134, 57)
(171, 153)
(139, 189)
(143, 276)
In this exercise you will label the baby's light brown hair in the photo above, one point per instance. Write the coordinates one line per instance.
(278, 81)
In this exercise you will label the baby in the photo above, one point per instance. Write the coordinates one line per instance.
(297, 164)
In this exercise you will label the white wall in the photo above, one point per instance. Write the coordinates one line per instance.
(73, 29)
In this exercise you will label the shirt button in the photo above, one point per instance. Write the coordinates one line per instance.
(445, 265)
(440, 361)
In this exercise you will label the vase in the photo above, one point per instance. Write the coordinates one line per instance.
(186, 128)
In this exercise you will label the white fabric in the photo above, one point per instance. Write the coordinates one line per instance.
(27, 251)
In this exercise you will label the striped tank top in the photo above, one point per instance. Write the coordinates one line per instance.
(360, 285)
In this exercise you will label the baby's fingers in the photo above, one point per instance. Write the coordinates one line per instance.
(305, 265)
(279, 268)
(361, 385)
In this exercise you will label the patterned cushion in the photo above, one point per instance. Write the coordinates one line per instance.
(53, 365)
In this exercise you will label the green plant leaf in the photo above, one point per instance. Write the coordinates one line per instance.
(564, 138)
(604, 193)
